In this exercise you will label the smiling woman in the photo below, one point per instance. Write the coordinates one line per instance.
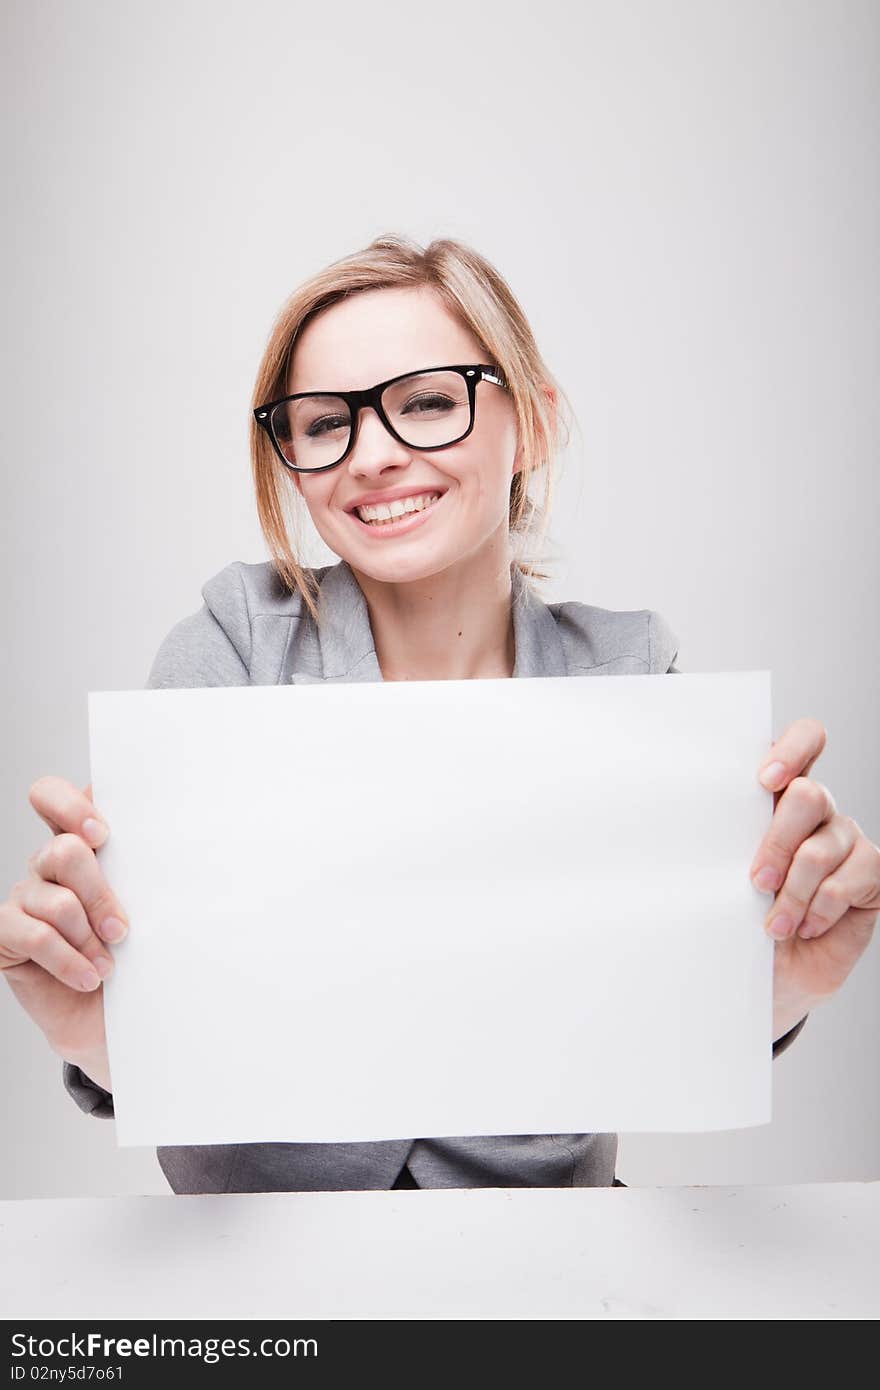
(403, 403)
(378, 316)
(401, 372)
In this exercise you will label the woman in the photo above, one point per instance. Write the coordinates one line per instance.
(403, 400)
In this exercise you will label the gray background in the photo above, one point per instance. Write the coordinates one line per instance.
(686, 199)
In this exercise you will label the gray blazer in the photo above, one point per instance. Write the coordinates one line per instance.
(251, 631)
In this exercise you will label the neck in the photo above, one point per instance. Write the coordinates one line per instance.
(454, 625)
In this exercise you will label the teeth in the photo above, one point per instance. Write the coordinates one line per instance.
(382, 512)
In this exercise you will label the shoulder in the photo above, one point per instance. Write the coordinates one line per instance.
(237, 637)
(605, 641)
(240, 593)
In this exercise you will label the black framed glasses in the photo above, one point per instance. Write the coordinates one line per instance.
(428, 409)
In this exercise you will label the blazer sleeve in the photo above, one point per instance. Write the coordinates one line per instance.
(662, 645)
(788, 1038)
(89, 1096)
(211, 647)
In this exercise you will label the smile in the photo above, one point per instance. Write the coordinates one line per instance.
(397, 525)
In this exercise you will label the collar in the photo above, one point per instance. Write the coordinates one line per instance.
(348, 653)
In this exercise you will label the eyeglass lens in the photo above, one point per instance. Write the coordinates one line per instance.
(426, 409)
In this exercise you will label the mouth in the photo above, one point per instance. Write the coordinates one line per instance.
(398, 525)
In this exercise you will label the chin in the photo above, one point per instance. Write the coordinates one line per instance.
(397, 571)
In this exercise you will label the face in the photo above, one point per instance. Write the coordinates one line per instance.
(375, 335)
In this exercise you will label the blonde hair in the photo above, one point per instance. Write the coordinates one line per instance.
(477, 294)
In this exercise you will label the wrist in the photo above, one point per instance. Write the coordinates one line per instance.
(788, 1012)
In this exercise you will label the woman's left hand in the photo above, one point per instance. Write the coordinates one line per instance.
(826, 871)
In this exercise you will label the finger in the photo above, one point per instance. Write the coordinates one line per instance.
(802, 808)
(61, 909)
(64, 808)
(793, 754)
(26, 938)
(67, 861)
(815, 859)
(854, 883)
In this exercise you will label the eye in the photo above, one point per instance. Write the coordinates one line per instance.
(325, 425)
(421, 405)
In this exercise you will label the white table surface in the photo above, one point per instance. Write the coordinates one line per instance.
(808, 1251)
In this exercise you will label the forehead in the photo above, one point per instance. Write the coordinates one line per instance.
(377, 334)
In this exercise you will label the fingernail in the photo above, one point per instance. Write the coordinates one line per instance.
(781, 926)
(89, 980)
(113, 930)
(94, 830)
(768, 880)
(103, 965)
(772, 773)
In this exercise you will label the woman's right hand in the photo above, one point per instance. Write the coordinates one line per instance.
(55, 922)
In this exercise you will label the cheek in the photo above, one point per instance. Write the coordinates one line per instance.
(495, 477)
(495, 454)
(315, 497)
(486, 470)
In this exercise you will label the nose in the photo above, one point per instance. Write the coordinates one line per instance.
(374, 449)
